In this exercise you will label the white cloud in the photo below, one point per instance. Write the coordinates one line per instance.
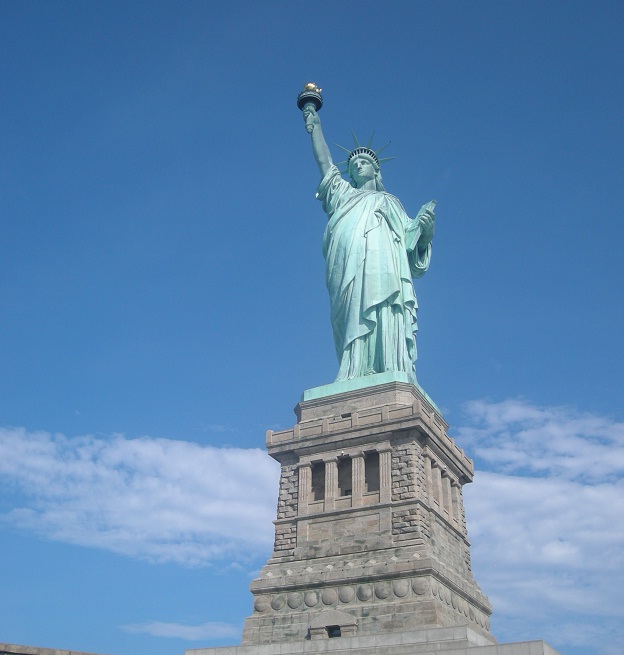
(189, 632)
(156, 499)
(546, 521)
(516, 437)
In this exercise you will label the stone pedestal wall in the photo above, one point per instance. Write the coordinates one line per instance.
(370, 530)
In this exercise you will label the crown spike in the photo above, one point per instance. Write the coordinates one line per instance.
(370, 141)
(357, 143)
(343, 148)
(383, 147)
(383, 159)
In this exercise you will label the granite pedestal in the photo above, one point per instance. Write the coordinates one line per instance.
(371, 552)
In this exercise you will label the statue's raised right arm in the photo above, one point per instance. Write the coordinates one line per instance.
(319, 145)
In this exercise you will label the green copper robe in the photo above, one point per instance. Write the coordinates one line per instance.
(371, 252)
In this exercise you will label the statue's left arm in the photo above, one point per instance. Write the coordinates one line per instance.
(418, 238)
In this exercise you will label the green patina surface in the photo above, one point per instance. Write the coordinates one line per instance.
(362, 383)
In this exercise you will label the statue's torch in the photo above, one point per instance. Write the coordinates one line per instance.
(311, 95)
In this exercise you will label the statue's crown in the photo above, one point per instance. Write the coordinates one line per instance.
(363, 150)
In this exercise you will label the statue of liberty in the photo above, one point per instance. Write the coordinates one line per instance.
(372, 251)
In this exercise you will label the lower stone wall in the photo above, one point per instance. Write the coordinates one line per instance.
(16, 649)
(449, 547)
(457, 640)
(399, 604)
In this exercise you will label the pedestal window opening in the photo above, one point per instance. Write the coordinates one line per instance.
(318, 480)
(371, 471)
(345, 476)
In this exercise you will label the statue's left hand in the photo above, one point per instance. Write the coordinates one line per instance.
(427, 228)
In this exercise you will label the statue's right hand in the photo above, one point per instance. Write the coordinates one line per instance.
(311, 118)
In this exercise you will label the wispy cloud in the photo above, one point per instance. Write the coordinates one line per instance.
(156, 499)
(522, 439)
(189, 632)
(545, 519)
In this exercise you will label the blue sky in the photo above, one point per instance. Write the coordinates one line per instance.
(163, 301)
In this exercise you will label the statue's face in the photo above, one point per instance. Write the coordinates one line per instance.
(361, 170)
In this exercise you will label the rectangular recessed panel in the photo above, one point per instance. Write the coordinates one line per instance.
(347, 527)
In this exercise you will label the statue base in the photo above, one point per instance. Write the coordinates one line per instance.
(363, 383)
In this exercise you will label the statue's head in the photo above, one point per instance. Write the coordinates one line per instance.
(364, 154)
(363, 165)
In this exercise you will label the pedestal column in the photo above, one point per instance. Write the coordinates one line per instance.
(358, 478)
(331, 482)
(385, 474)
(305, 487)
